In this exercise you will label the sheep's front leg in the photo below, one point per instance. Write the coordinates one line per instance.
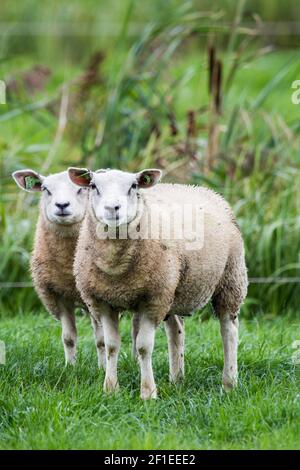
(110, 322)
(69, 335)
(174, 327)
(229, 331)
(64, 310)
(99, 341)
(144, 346)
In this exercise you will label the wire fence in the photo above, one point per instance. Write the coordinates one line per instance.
(112, 28)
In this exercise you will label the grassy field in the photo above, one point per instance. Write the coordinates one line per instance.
(47, 406)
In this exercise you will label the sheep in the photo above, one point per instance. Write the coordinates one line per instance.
(62, 209)
(119, 267)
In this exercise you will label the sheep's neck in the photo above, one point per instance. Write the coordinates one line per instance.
(115, 257)
(57, 243)
(54, 250)
(57, 231)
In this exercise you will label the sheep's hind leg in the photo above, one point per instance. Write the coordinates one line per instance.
(99, 341)
(174, 327)
(144, 346)
(226, 303)
(229, 330)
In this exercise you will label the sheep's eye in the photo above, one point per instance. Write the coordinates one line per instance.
(47, 190)
(93, 186)
(79, 191)
(133, 186)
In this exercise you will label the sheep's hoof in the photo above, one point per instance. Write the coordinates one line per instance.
(177, 378)
(148, 393)
(70, 361)
(110, 386)
(229, 383)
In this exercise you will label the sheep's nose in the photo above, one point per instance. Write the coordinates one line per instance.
(114, 208)
(62, 206)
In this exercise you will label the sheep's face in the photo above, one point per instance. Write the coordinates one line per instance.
(114, 194)
(62, 202)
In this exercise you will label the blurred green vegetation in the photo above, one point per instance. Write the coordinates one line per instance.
(135, 81)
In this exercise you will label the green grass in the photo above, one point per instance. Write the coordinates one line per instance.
(46, 406)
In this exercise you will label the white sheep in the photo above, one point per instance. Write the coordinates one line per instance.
(119, 267)
(62, 209)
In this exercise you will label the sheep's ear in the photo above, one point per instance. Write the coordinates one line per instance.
(148, 178)
(80, 176)
(28, 180)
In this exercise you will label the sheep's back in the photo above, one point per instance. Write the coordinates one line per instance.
(181, 194)
(203, 267)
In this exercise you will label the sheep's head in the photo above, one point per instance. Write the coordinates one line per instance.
(62, 201)
(114, 194)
